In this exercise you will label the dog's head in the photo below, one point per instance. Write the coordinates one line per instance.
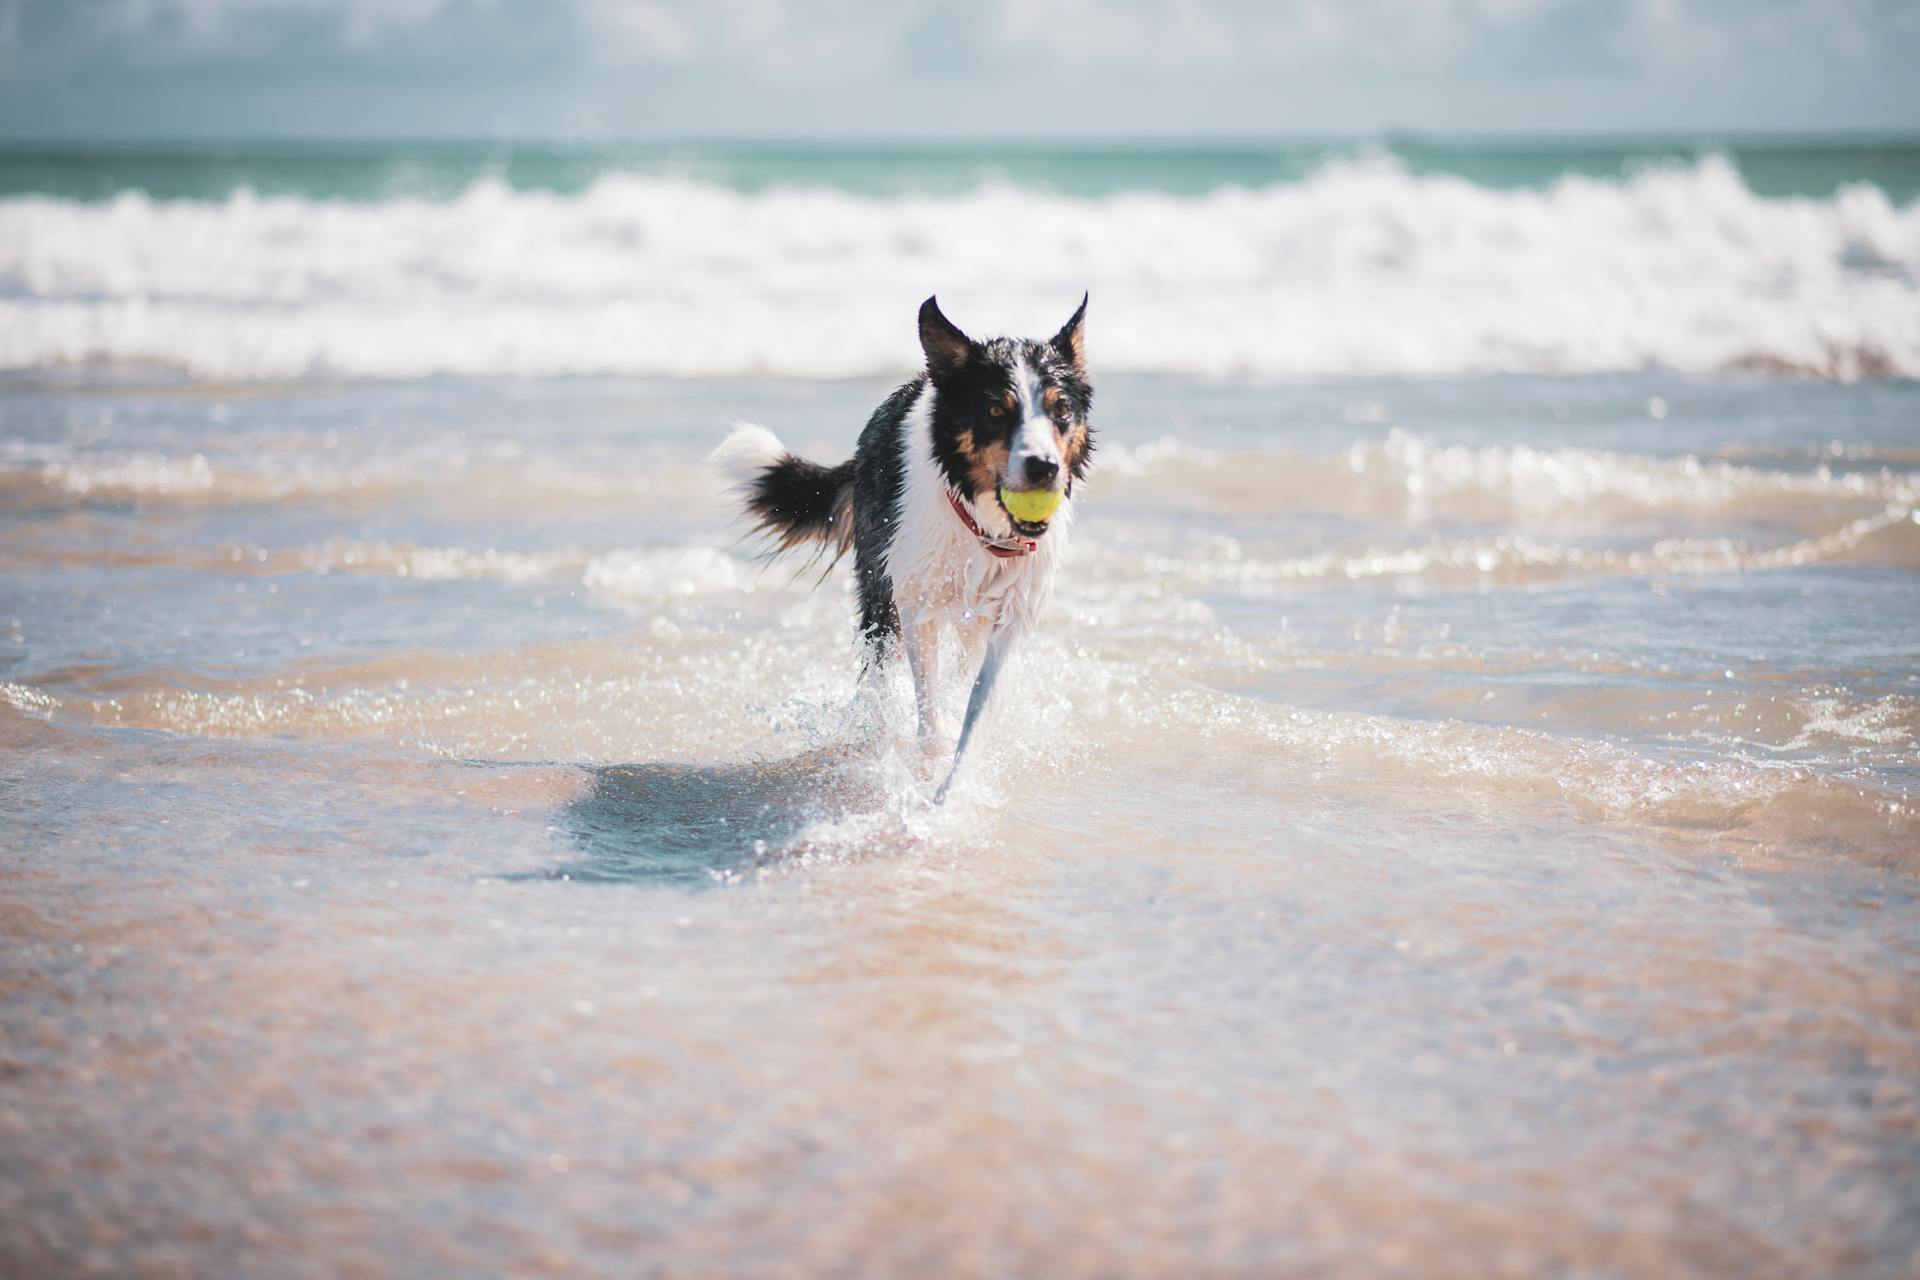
(1009, 415)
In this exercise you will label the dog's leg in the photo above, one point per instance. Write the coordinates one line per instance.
(1000, 647)
(973, 632)
(922, 636)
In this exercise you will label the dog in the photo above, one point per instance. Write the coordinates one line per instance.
(927, 502)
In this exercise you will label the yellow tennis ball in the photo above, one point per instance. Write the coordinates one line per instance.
(1031, 505)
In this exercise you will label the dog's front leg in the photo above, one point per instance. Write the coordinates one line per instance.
(1000, 647)
(922, 637)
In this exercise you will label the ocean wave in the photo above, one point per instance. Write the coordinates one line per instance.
(1403, 477)
(1422, 512)
(1362, 268)
(1411, 479)
(1889, 537)
(1180, 570)
(444, 471)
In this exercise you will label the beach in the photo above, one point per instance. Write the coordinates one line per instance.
(1463, 789)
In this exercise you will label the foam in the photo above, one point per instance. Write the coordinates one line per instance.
(1360, 269)
(437, 564)
(191, 479)
(443, 468)
(1891, 536)
(1410, 479)
(668, 572)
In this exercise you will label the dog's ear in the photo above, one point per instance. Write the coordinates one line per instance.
(1071, 341)
(947, 348)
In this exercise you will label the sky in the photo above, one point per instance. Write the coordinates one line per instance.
(584, 70)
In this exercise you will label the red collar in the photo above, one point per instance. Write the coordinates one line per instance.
(1005, 548)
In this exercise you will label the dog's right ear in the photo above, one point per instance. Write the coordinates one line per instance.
(1071, 341)
(947, 348)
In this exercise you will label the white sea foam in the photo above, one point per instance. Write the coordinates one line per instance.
(1362, 268)
(665, 572)
(1419, 481)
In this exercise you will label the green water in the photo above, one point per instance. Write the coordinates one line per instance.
(1770, 166)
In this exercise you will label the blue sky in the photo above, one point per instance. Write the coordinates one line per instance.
(594, 69)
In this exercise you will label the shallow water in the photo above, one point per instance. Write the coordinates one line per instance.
(1461, 826)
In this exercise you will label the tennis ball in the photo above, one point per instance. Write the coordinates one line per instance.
(1030, 505)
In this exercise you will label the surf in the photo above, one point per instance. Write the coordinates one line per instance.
(1360, 267)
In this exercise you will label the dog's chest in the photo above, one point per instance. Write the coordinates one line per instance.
(936, 565)
(944, 575)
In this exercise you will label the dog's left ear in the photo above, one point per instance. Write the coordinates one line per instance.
(1072, 339)
(947, 348)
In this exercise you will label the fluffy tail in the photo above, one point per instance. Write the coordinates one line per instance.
(788, 498)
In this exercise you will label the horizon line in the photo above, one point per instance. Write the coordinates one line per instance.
(1671, 136)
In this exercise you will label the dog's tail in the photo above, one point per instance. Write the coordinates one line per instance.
(788, 498)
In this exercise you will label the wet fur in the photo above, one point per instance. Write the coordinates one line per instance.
(1005, 412)
(794, 501)
(856, 506)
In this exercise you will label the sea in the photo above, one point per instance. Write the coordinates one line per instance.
(1460, 815)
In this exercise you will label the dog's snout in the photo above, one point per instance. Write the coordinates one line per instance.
(1042, 470)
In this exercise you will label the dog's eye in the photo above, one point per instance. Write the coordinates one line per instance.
(994, 410)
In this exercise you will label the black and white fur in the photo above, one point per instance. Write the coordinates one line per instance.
(1001, 413)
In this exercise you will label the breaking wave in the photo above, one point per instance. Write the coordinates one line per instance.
(1402, 477)
(1362, 268)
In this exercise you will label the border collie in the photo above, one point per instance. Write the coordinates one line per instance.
(955, 503)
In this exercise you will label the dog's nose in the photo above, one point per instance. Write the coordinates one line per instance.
(1042, 470)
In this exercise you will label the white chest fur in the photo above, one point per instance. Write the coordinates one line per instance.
(938, 569)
